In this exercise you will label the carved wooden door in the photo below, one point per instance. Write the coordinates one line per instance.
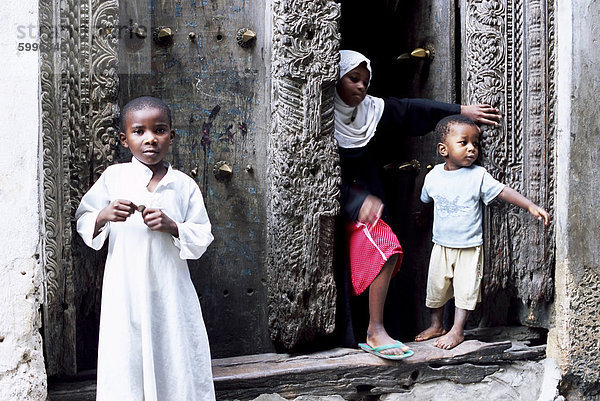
(271, 125)
(211, 62)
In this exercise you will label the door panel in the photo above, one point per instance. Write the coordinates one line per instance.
(383, 32)
(216, 88)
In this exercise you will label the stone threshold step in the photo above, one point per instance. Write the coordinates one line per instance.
(353, 373)
(350, 373)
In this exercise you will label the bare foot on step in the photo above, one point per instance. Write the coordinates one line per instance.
(450, 340)
(430, 332)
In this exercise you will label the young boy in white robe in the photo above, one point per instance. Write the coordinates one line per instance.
(153, 344)
(457, 189)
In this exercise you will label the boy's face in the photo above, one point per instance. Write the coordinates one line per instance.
(461, 146)
(148, 135)
(352, 87)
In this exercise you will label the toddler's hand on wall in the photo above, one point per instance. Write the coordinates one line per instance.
(540, 214)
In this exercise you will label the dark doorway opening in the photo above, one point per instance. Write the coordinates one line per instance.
(387, 32)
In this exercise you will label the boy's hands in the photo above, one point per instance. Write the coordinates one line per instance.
(121, 209)
(482, 114)
(539, 213)
(117, 210)
(157, 220)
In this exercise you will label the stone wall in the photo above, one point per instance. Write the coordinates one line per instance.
(573, 340)
(22, 373)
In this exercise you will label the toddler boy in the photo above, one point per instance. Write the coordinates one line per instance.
(457, 188)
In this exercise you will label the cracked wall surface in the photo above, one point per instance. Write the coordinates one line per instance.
(22, 372)
(574, 340)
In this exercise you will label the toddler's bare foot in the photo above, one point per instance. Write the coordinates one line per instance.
(450, 340)
(377, 338)
(430, 332)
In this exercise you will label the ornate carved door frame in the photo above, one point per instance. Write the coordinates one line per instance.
(78, 69)
(509, 60)
(510, 47)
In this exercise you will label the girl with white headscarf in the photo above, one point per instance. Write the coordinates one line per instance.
(366, 127)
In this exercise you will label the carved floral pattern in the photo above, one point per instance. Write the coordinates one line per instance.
(74, 103)
(520, 153)
(303, 171)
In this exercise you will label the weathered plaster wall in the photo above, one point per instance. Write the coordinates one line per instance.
(574, 339)
(22, 373)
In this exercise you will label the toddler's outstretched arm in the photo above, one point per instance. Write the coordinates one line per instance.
(481, 113)
(511, 196)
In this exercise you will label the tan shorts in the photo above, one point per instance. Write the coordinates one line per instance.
(454, 272)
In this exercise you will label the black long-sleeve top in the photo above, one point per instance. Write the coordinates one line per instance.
(400, 118)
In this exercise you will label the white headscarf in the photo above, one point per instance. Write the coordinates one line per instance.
(355, 126)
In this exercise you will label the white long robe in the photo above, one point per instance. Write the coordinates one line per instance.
(153, 344)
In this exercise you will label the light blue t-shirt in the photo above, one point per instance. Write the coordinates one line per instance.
(457, 197)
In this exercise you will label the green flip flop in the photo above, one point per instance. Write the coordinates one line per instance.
(377, 350)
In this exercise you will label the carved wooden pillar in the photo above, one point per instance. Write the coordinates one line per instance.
(56, 227)
(78, 105)
(509, 63)
(303, 171)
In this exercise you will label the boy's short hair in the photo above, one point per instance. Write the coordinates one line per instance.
(140, 103)
(442, 129)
